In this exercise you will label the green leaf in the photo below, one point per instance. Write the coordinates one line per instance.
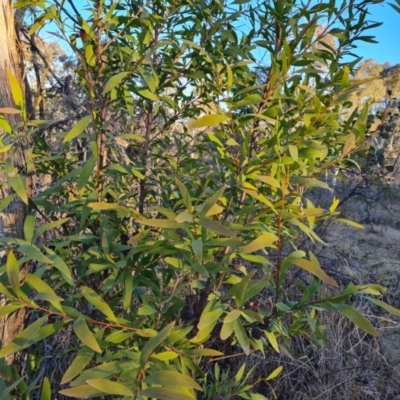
(185, 195)
(59, 263)
(232, 316)
(146, 310)
(265, 240)
(4, 203)
(5, 392)
(33, 253)
(215, 226)
(197, 247)
(110, 387)
(13, 272)
(91, 296)
(23, 340)
(164, 393)
(242, 337)
(82, 331)
(210, 316)
(353, 315)
(274, 373)
(172, 379)
(227, 329)
(309, 182)
(79, 127)
(314, 268)
(106, 370)
(16, 90)
(42, 287)
(48, 226)
(154, 342)
(160, 223)
(89, 55)
(165, 356)
(207, 121)
(211, 202)
(272, 340)
(18, 184)
(349, 222)
(46, 390)
(81, 360)
(115, 81)
(238, 291)
(203, 352)
(148, 95)
(385, 306)
(29, 227)
(294, 152)
(82, 392)
(86, 172)
(229, 76)
(8, 309)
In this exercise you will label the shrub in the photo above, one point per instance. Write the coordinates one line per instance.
(190, 195)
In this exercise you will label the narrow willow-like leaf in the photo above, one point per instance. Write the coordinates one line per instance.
(211, 201)
(46, 390)
(82, 392)
(160, 223)
(33, 253)
(6, 391)
(274, 373)
(232, 316)
(82, 331)
(272, 340)
(172, 379)
(79, 127)
(208, 121)
(154, 342)
(185, 195)
(203, 352)
(110, 387)
(23, 340)
(48, 226)
(16, 90)
(18, 183)
(42, 287)
(5, 310)
(86, 172)
(9, 110)
(227, 329)
(81, 360)
(242, 337)
(29, 227)
(163, 393)
(114, 81)
(349, 222)
(314, 269)
(385, 306)
(13, 272)
(265, 240)
(91, 296)
(6, 201)
(217, 227)
(353, 315)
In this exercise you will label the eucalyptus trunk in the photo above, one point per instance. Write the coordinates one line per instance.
(12, 218)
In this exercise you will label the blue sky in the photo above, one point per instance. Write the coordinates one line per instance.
(387, 50)
(387, 35)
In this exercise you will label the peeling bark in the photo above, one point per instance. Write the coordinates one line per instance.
(12, 218)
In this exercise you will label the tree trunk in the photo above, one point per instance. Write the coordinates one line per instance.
(12, 218)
